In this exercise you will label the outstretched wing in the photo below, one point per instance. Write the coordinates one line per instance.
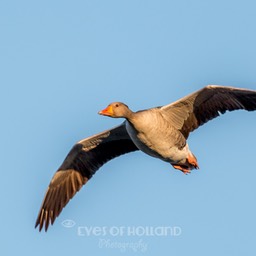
(194, 110)
(84, 159)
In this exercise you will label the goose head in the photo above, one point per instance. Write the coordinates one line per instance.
(116, 110)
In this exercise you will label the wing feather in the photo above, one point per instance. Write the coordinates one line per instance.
(196, 109)
(84, 159)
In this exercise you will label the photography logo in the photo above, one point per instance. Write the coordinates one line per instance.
(123, 238)
(68, 223)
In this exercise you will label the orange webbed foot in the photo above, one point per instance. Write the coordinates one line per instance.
(180, 168)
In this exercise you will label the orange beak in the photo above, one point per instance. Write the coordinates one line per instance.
(108, 111)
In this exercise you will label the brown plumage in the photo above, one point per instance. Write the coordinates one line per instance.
(84, 159)
(194, 110)
(160, 132)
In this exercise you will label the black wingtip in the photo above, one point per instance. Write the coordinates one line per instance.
(39, 224)
(42, 221)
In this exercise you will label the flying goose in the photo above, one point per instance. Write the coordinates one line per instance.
(160, 132)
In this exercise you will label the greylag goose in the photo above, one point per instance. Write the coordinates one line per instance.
(160, 132)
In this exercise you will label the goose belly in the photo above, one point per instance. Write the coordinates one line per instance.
(157, 145)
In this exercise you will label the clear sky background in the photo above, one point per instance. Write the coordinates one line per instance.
(63, 61)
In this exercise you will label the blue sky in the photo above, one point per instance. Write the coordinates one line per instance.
(63, 61)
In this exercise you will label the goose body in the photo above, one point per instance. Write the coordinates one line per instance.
(151, 139)
(160, 132)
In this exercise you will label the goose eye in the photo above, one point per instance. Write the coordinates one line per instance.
(117, 105)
